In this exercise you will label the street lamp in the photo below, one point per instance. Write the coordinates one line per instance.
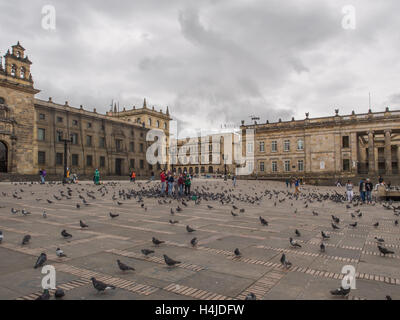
(65, 157)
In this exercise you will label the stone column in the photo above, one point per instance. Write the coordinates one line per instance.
(388, 152)
(354, 152)
(371, 153)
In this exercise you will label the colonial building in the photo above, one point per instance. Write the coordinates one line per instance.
(328, 147)
(32, 131)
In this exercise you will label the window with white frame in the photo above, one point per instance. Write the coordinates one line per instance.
(262, 146)
(274, 166)
(274, 146)
(286, 145)
(287, 165)
(250, 148)
(300, 165)
(300, 144)
(262, 166)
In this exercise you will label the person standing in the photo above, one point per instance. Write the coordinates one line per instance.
(152, 176)
(170, 183)
(163, 179)
(180, 183)
(234, 180)
(96, 177)
(349, 191)
(362, 190)
(133, 176)
(187, 184)
(368, 189)
(297, 186)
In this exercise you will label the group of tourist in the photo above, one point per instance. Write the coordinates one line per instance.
(365, 188)
(173, 184)
(294, 181)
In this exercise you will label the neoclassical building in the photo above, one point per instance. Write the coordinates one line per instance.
(336, 147)
(32, 131)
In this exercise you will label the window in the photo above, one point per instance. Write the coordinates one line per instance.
(59, 136)
(287, 165)
(149, 122)
(41, 134)
(132, 163)
(13, 70)
(22, 73)
(274, 146)
(41, 157)
(141, 164)
(75, 122)
(75, 160)
(346, 165)
(132, 133)
(42, 116)
(59, 119)
(250, 147)
(141, 147)
(300, 144)
(2, 100)
(286, 145)
(59, 159)
(102, 142)
(102, 162)
(300, 165)
(158, 123)
(131, 146)
(251, 166)
(262, 146)
(118, 144)
(150, 167)
(165, 125)
(74, 138)
(89, 141)
(89, 125)
(262, 167)
(89, 161)
(345, 142)
(274, 166)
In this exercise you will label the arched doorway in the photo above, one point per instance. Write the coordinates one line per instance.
(210, 169)
(3, 157)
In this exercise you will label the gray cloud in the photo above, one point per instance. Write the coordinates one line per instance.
(212, 62)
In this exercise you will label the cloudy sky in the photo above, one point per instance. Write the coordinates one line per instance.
(213, 62)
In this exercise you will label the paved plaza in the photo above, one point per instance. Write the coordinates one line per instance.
(210, 270)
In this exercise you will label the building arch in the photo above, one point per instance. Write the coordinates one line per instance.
(3, 157)
(203, 169)
(2, 100)
(196, 170)
(210, 169)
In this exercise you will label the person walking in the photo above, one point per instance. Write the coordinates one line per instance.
(163, 179)
(362, 189)
(133, 176)
(297, 186)
(170, 183)
(42, 174)
(187, 184)
(349, 191)
(96, 178)
(368, 189)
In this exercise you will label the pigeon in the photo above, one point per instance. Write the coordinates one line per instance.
(189, 229)
(376, 225)
(173, 221)
(322, 247)
(340, 292)
(263, 221)
(101, 286)
(25, 213)
(384, 251)
(170, 262)
(65, 234)
(193, 242)
(294, 243)
(44, 214)
(60, 253)
(157, 242)
(78, 206)
(251, 296)
(209, 207)
(113, 215)
(242, 211)
(396, 222)
(315, 213)
(388, 297)
(124, 267)
(82, 224)
(59, 293)
(45, 295)
(324, 236)
(284, 262)
(234, 207)
(334, 226)
(172, 211)
(26, 239)
(1, 236)
(237, 252)
(380, 240)
(234, 214)
(353, 224)
(146, 252)
(14, 211)
(41, 260)
(49, 201)
(297, 232)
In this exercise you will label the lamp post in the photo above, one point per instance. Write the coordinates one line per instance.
(65, 157)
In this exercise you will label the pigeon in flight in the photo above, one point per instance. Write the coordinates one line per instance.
(83, 225)
(284, 262)
(146, 252)
(45, 295)
(101, 286)
(340, 292)
(113, 215)
(157, 242)
(60, 253)
(384, 251)
(124, 267)
(294, 243)
(41, 260)
(26, 239)
(66, 235)
(263, 221)
(189, 229)
(170, 262)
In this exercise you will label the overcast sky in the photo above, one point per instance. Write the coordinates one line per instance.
(213, 62)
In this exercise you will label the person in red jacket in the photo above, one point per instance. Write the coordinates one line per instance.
(163, 179)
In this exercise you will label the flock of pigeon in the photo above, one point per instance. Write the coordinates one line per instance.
(199, 195)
